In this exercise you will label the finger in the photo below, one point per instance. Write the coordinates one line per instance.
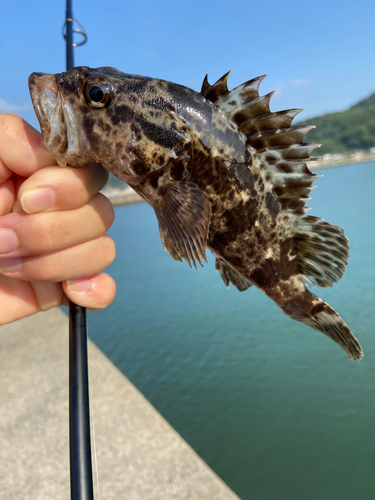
(5, 172)
(57, 188)
(20, 298)
(7, 196)
(93, 292)
(78, 261)
(21, 147)
(23, 235)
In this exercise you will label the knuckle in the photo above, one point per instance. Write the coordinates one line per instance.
(45, 232)
(108, 250)
(105, 208)
(52, 267)
(42, 268)
(98, 176)
(9, 121)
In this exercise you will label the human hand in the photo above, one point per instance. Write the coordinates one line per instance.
(54, 247)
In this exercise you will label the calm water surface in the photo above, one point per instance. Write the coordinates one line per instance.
(274, 407)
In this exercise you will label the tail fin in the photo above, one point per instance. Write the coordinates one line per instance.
(326, 320)
(314, 312)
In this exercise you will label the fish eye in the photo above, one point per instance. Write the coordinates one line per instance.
(97, 95)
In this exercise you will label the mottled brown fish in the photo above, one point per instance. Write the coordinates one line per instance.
(220, 170)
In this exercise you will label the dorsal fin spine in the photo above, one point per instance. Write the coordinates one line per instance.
(215, 91)
(280, 119)
(252, 108)
(205, 85)
(286, 136)
(244, 92)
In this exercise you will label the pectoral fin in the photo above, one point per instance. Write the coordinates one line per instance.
(183, 211)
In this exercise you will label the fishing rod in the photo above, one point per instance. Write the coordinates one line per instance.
(81, 484)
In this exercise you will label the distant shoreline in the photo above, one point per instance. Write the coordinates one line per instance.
(339, 159)
(126, 196)
(120, 197)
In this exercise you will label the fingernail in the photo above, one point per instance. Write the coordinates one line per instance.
(8, 241)
(37, 200)
(8, 266)
(79, 284)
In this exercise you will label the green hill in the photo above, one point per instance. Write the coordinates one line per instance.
(344, 131)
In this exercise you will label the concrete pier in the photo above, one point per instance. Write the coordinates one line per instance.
(137, 455)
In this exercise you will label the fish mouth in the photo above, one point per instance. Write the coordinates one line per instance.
(60, 135)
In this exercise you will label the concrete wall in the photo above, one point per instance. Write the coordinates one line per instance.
(138, 455)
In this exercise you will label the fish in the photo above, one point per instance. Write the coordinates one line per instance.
(222, 172)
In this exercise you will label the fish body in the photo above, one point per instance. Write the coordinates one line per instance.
(220, 170)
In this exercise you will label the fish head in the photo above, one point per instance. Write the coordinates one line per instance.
(127, 123)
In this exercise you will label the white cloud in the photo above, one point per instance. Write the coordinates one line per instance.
(300, 82)
(8, 107)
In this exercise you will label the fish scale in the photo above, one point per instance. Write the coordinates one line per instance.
(221, 171)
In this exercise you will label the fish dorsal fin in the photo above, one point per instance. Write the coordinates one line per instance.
(277, 146)
(230, 99)
(214, 92)
(279, 151)
(228, 275)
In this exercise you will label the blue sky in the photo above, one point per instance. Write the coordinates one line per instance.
(318, 55)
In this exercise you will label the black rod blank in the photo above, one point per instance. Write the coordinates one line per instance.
(69, 35)
(81, 486)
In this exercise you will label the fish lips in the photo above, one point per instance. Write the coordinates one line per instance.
(49, 111)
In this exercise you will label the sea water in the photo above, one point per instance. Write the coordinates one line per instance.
(274, 407)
